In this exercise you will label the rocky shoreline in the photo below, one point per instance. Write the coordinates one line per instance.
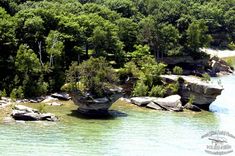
(21, 113)
(204, 94)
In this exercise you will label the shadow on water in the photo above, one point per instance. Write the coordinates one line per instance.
(109, 115)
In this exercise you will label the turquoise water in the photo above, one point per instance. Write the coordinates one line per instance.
(132, 131)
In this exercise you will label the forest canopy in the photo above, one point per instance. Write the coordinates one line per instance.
(39, 39)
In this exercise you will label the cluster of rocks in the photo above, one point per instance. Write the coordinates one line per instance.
(5, 102)
(49, 100)
(169, 103)
(189, 86)
(24, 113)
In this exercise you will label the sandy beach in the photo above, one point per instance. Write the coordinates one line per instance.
(219, 53)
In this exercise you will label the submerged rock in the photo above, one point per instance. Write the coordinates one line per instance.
(8, 120)
(24, 113)
(203, 92)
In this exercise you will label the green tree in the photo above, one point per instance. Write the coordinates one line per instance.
(197, 36)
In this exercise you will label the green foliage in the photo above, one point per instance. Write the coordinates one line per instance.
(3, 93)
(27, 61)
(157, 91)
(230, 62)
(173, 88)
(177, 70)
(140, 52)
(17, 93)
(231, 46)
(42, 108)
(191, 99)
(13, 94)
(140, 89)
(206, 77)
(144, 67)
(197, 36)
(40, 38)
(95, 74)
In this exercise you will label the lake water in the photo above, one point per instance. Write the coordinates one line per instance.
(132, 132)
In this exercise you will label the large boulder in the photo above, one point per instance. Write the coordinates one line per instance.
(142, 101)
(172, 101)
(204, 93)
(169, 103)
(155, 106)
(21, 112)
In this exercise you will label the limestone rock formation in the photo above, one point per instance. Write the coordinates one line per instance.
(24, 113)
(204, 93)
(169, 103)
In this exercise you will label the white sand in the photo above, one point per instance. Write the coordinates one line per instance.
(219, 53)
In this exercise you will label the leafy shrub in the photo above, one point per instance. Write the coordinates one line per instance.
(231, 45)
(206, 77)
(173, 88)
(230, 62)
(177, 70)
(140, 89)
(17, 93)
(95, 74)
(157, 91)
(3, 93)
(130, 69)
(42, 108)
(13, 94)
(191, 99)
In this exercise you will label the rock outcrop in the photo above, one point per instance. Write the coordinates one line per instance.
(170, 103)
(61, 96)
(142, 101)
(24, 113)
(89, 105)
(219, 67)
(203, 92)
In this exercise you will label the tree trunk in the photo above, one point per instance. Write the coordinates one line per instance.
(40, 52)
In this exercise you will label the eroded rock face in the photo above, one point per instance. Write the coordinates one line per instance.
(92, 106)
(21, 112)
(219, 66)
(203, 92)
